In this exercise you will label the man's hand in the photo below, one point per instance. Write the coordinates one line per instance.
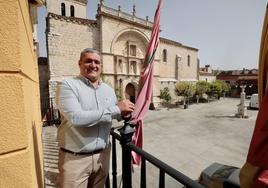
(126, 107)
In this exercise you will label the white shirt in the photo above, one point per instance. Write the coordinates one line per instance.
(86, 114)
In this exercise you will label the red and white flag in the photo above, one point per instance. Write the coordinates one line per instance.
(145, 85)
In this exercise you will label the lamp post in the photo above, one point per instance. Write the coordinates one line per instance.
(242, 108)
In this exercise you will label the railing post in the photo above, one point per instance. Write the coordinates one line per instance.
(126, 133)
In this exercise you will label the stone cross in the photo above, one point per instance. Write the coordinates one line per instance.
(134, 10)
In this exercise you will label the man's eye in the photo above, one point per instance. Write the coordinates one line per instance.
(91, 61)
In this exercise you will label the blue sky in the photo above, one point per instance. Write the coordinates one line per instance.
(226, 32)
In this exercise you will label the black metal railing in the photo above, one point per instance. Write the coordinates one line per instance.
(125, 138)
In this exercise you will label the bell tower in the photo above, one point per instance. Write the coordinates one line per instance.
(69, 8)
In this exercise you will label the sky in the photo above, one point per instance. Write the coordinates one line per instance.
(227, 33)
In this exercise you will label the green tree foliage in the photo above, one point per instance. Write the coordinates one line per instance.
(215, 89)
(218, 88)
(202, 87)
(226, 87)
(186, 89)
(164, 94)
(118, 94)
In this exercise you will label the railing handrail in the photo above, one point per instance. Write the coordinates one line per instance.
(165, 167)
(180, 177)
(116, 135)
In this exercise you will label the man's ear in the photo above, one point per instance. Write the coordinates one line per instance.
(79, 62)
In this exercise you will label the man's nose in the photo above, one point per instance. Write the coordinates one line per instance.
(94, 63)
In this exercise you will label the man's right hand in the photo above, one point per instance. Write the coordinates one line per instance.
(126, 107)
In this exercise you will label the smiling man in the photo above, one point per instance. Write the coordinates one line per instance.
(87, 106)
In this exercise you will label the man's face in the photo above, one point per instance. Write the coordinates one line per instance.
(90, 66)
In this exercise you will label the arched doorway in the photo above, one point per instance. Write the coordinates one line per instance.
(130, 92)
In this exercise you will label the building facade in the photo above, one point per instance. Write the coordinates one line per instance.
(20, 121)
(122, 39)
(237, 78)
(206, 74)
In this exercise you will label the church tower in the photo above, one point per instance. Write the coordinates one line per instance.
(68, 8)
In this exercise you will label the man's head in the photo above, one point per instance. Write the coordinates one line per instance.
(90, 65)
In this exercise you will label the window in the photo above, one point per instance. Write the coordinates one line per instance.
(132, 50)
(165, 55)
(63, 9)
(72, 10)
(188, 61)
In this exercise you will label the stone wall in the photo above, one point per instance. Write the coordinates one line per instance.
(176, 66)
(207, 78)
(79, 7)
(66, 39)
(20, 121)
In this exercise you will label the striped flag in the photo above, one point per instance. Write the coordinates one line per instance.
(145, 85)
(254, 173)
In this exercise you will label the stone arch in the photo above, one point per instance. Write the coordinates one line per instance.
(130, 92)
(132, 34)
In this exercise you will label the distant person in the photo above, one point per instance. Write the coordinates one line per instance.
(87, 106)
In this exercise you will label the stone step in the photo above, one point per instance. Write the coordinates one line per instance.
(50, 153)
(51, 157)
(50, 161)
(51, 141)
(52, 144)
(50, 148)
(51, 165)
(51, 170)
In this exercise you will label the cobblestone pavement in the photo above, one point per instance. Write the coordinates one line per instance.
(50, 153)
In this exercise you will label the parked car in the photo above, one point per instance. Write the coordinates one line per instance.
(254, 101)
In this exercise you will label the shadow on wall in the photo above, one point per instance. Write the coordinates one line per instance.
(38, 167)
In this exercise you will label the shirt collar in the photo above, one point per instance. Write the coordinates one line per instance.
(87, 81)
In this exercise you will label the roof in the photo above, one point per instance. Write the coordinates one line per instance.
(72, 19)
(239, 72)
(168, 41)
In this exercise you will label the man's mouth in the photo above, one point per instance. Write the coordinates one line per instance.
(92, 70)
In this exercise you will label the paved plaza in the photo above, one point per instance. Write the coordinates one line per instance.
(189, 140)
(192, 139)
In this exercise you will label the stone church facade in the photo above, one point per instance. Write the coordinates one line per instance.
(122, 39)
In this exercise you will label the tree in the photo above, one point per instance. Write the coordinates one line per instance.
(164, 95)
(185, 89)
(215, 89)
(201, 88)
(226, 87)
(219, 88)
(118, 94)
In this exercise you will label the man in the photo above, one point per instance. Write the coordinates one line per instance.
(87, 107)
